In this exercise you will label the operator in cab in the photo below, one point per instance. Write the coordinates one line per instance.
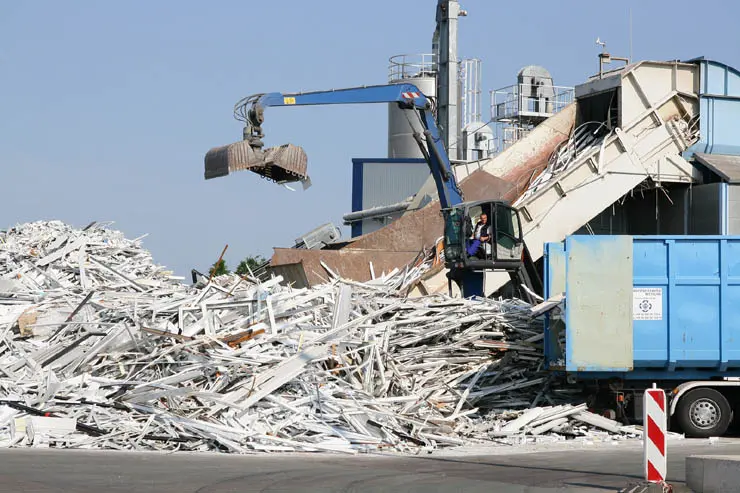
(480, 243)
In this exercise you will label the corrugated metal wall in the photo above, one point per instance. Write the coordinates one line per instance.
(388, 183)
(673, 211)
(733, 209)
(695, 210)
(384, 182)
(645, 213)
(704, 213)
(720, 108)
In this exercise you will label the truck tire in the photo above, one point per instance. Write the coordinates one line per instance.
(703, 413)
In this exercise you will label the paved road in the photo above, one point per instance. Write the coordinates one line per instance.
(581, 470)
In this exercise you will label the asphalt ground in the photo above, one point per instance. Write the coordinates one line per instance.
(599, 467)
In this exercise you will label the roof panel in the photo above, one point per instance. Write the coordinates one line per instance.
(725, 166)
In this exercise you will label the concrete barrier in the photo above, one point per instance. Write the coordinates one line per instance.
(713, 473)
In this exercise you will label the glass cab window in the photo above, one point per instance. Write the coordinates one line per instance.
(479, 232)
(482, 235)
(508, 234)
(455, 232)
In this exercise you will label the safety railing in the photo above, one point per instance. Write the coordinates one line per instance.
(529, 100)
(403, 67)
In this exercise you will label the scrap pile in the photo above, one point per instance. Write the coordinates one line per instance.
(101, 348)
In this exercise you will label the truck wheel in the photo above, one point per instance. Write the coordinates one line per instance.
(703, 413)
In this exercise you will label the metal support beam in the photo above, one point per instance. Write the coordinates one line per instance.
(448, 12)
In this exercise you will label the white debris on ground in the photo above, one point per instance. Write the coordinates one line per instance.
(101, 348)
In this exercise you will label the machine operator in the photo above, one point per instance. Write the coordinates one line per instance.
(480, 244)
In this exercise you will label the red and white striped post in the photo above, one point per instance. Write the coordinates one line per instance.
(654, 434)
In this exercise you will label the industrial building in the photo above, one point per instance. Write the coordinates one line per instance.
(645, 148)
(704, 199)
(382, 188)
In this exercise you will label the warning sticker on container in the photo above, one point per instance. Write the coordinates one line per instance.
(647, 303)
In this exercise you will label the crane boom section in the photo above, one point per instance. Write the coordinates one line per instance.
(466, 257)
(407, 96)
(388, 93)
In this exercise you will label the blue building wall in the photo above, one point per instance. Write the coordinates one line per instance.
(719, 98)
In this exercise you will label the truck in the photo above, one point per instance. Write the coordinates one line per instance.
(639, 311)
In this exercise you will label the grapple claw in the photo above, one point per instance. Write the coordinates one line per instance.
(282, 164)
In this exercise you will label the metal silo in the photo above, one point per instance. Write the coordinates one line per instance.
(419, 70)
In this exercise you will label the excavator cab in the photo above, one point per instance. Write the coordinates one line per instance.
(483, 235)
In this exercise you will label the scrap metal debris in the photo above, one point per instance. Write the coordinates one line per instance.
(102, 348)
(585, 139)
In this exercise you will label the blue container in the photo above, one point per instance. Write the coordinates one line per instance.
(646, 307)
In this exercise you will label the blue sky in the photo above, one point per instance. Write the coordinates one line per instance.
(107, 108)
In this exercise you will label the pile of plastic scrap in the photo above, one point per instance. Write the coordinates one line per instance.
(102, 348)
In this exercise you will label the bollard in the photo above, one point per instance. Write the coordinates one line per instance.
(654, 433)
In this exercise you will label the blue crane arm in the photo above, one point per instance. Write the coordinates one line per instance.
(389, 93)
(287, 163)
(439, 163)
(409, 97)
